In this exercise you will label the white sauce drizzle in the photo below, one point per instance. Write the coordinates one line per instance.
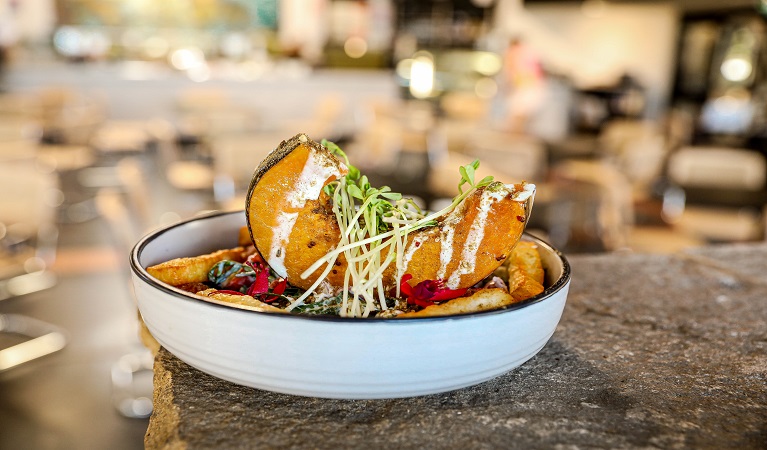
(475, 236)
(523, 195)
(446, 242)
(315, 172)
(411, 249)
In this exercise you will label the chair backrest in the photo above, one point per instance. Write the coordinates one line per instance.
(19, 138)
(518, 157)
(29, 194)
(29, 204)
(638, 148)
(202, 99)
(718, 167)
(609, 189)
(236, 156)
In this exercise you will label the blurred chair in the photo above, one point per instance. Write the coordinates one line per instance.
(235, 119)
(196, 99)
(725, 191)
(507, 157)
(637, 148)
(28, 237)
(21, 105)
(443, 176)
(377, 145)
(235, 158)
(323, 122)
(718, 168)
(28, 232)
(518, 157)
(201, 110)
(465, 106)
(592, 208)
(395, 130)
(190, 175)
(126, 212)
(19, 138)
(70, 116)
(66, 158)
(119, 138)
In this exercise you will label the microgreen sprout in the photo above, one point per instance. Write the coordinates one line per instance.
(467, 177)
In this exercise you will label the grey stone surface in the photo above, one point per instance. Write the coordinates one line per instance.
(652, 352)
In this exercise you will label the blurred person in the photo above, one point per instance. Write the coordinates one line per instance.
(524, 84)
(8, 35)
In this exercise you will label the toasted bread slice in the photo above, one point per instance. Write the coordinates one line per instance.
(482, 300)
(180, 271)
(527, 258)
(245, 300)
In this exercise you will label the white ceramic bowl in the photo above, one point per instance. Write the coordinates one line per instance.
(335, 357)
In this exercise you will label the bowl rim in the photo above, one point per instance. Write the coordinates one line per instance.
(144, 276)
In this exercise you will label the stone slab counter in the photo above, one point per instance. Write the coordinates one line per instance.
(653, 351)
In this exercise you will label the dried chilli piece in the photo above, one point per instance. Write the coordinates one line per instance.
(428, 292)
(262, 287)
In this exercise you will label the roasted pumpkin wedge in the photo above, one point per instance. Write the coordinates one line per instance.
(290, 218)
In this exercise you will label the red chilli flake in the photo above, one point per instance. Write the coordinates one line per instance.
(261, 287)
(278, 287)
(427, 292)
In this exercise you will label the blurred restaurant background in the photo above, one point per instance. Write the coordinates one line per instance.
(642, 124)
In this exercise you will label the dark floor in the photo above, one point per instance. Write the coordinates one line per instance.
(64, 400)
(67, 400)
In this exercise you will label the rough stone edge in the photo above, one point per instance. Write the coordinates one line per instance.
(162, 432)
(146, 337)
(719, 257)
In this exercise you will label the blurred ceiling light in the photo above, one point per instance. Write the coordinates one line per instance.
(235, 45)
(69, 41)
(73, 42)
(422, 75)
(404, 68)
(187, 58)
(487, 64)
(355, 47)
(736, 69)
(155, 47)
(486, 88)
(593, 9)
